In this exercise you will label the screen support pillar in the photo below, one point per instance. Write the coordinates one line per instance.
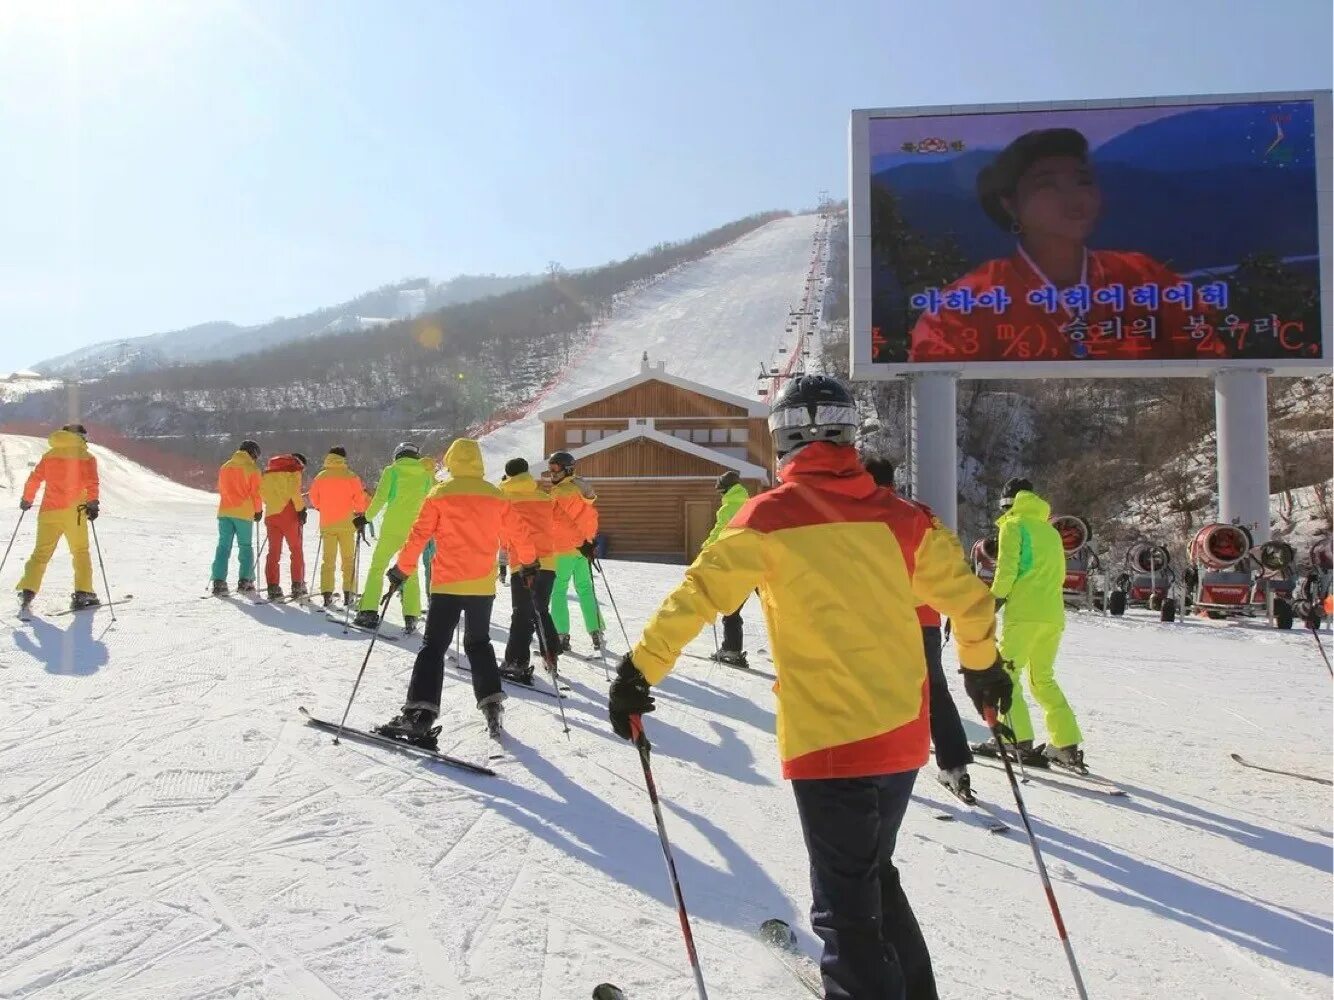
(935, 447)
(1241, 411)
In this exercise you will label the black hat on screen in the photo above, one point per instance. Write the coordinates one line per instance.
(999, 178)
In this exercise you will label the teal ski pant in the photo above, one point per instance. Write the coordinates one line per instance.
(242, 531)
(386, 550)
(573, 565)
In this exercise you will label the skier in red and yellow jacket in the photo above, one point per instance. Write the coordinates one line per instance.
(284, 519)
(841, 566)
(70, 499)
(469, 520)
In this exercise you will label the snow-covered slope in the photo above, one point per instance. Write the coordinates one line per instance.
(712, 321)
(125, 485)
(173, 831)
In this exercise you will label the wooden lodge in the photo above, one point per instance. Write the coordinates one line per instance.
(653, 446)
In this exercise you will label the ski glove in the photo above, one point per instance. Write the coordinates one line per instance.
(588, 550)
(1000, 603)
(301, 516)
(90, 510)
(395, 576)
(25, 505)
(259, 516)
(989, 688)
(629, 695)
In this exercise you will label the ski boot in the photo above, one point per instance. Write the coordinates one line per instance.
(274, 592)
(596, 638)
(245, 585)
(519, 673)
(412, 725)
(367, 619)
(326, 598)
(493, 711)
(565, 642)
(410, 623)
(84, 599)
(299, 592)
(220, 588)
(1071, 758)
(349, 598)
(957, 781)
(1028, 755)
(732, 657)
(25, 599)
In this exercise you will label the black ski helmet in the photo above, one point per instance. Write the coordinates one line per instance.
(812, 408)
(1011, 489)
(406, 450)
(516, 467)
(562, 460)
(338, 450)
(300, 458)
(881, 470)
(250, 448)
(727, 480)
(78, 429)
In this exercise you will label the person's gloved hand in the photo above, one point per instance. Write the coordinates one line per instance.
(301, 516)
(25, 505)
(395, 576)
(527, 575)
(989, 688)
(90, 509)
(259, 516)
(588, 550)
(502, 572)
(629, 695)
(359, 522)
(1000, 603)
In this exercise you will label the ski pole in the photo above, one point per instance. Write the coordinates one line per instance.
(319, 542)
(1315, 634)
(22, 514)
(617, 611)
(356, 578)
(111, 605)
(547, 656)
(384, 606)
(989, 714)
(644, 747)
(1018, 754)
(717, 649)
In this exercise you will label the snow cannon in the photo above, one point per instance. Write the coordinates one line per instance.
(984, 554)
(1229, 576)
(1146, 582)
(1080, 561)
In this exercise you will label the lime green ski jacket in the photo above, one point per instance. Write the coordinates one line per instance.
(400, 493)
(1030, 564)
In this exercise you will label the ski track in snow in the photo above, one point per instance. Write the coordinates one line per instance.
(173, 830)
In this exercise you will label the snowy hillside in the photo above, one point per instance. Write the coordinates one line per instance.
(715, 321)
(173, 831)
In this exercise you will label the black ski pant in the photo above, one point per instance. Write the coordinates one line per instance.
(428, 673)
(733, 641)
(522, 624)
(873, 947)
(947, 733)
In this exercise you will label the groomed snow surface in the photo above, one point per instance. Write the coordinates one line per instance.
(172, 829)
(712, 321)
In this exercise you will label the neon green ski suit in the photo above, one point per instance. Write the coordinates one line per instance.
(1030, 572)
(402, 489)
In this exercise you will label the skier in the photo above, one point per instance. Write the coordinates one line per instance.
(1030, 571)
(402, 488)
(284, 520)
(469, 519)
(536, 509)
(841, 565)
(576, 525)
(734, 496)
(68, 471)
(947, 735)
(338, 495)
(240, 508)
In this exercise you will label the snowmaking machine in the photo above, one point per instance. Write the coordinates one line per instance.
(1081, 563)
(1229, 576)
(983, 557)
(1310, 597)
(1146, 582)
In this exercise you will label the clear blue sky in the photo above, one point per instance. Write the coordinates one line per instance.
(168, 162)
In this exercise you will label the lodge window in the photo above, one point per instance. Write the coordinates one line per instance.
(574, 437)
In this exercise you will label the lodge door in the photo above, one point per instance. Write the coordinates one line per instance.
(700, 515)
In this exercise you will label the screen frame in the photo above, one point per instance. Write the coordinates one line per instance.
(863, 368)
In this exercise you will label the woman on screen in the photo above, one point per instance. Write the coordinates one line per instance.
(1056, 299)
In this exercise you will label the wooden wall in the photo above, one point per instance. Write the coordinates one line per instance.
(645, 457)
(645, 519)
(759, 446)
(656, 399)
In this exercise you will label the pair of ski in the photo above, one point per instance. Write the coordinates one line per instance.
(1047, 767)
(25, 614)
(781, 941)
(976, 810)
(459, 664)
(366, 736)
